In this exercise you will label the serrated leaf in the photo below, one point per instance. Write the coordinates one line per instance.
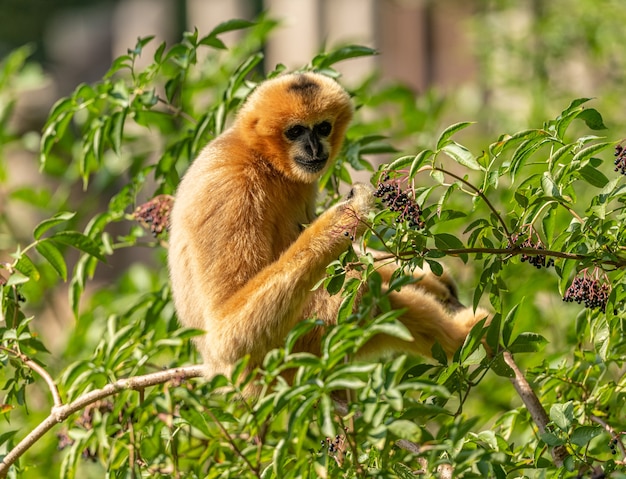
(527, 343)
(549, 187)
(25, 266)
(52, 255)
(451, 130)
(551, 440)
(346, 383)
(141, 42)
(435, 267)
(395, 329)
(116, 130)
(593, 176)
(446, 241)
(418, 161)
(582, 435)
(400, 163)
(549, 224)
(501, 368)
(45, 225)
(461, 155)
(405, 429)
(230, 25)
(562, 415)
(509, 322)
(351, 51)
(197, 420)
(80, 242)
(592, 118)
(558, 154)
(591, 150)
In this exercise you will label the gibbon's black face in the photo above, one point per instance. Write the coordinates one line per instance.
(309, 145)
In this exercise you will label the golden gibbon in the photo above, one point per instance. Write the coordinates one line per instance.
(246, 248)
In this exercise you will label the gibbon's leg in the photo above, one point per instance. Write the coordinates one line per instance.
(433, 314)
(258, 317)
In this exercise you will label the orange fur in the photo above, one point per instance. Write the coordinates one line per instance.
(242, 264)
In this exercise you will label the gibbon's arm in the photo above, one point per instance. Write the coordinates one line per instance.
(257, 315)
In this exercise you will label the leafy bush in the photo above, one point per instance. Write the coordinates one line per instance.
(129, 406)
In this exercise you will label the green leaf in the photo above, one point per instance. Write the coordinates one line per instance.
(197, 420)
(551, 440)
(80, 242)
(327, 410)
(593, 176)
(447, 241)
(51, 253)
(231, 25)
(591, 150)
(6, 436)
(592, 118)
(562, 415)
(395, 329)
(558, 154)
(45, 225)
(419, 160)
(117, 130)
(501, 368)
(325, 60)
(451, 130)
(550, 188)
(435, 267)
(25, 266)
(549, 224)
(405, 429)
(461, 155)
(582, 435)
(141, 42)
(527, 343)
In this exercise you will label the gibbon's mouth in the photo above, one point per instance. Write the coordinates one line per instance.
(311, 165)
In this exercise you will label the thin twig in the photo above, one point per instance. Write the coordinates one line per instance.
(232, 444)
(478, 191)
(54, 390)
(59, 414)
(611, 431)
(532, 403)
(514, 251)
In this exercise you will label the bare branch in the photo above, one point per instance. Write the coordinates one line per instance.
(532, 403)
(615, 435)
(54, 390)
(59, 414)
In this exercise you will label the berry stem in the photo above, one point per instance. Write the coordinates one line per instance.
(478, 191)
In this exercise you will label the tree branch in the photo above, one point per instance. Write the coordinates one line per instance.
(60, 413)
(509, 251)
(54, 390)
(532, 403)
(615, 435)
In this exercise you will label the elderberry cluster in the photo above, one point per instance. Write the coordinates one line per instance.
(538, 261)
(336, 447)
(613, 445)
(590, 290)
(155, 214)
(394, 198)
(620, 159)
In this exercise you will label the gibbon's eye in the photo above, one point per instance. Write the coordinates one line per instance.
(323, 128)
(295, 132)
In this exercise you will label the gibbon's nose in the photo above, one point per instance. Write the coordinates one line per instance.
(313, 146)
